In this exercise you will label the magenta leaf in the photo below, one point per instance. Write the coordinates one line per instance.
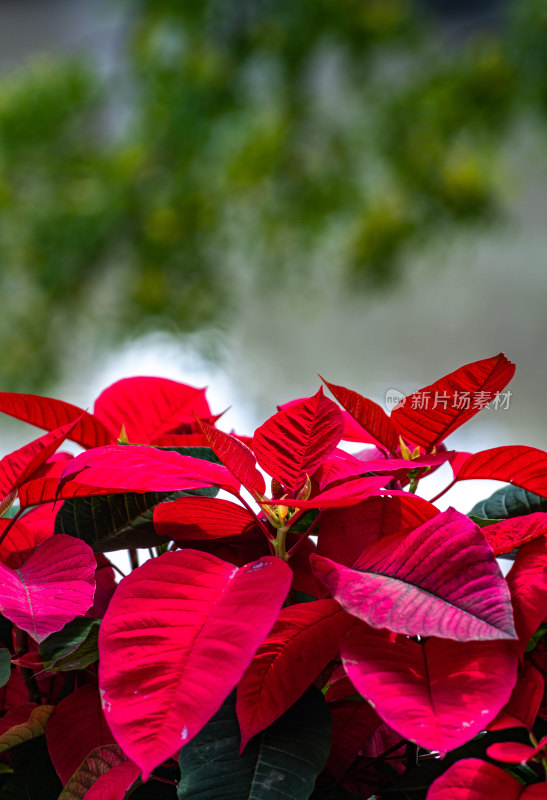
(307, 635)
(178, 635)
(94, 766)
(514, 752)
(150, 407)
(52, 587)
(115, 783)
(194, 518)
(437, 693)
(518, 464)
(431, 414)
(48, 413)
(370, 416)
(340, 495)
(116, 469)
(295, 441)
(345, 533)
(473, 779)
(76, 727)
(440, 580)
(236, 456)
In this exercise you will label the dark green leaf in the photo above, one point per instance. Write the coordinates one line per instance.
(481, 522)
(281, 763)
(116, 521)
(333, 791)
(73, 647)
(14, 789)
(5, 666)
(509, 501)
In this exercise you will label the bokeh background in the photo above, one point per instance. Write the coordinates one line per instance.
(245, 193)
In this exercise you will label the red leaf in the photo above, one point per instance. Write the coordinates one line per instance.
(236, 456)
(54, 585)
(345, 533)
(524, 703)
(195, 518)
(437, 693)
(294, 442)
(48, 413)
(122, 468)
(519, 464)
(527, 580)
(75, 729)
(20, 466)
(510, 533)
(349, 493)
(473, 779)
(114, 784)
(440, 580)
(372, 417)
(514, 752)
(20, 541)
(428, 426)
(95, 766)
(300, 645)
(149, 407)
(178, 635)
(352, 725)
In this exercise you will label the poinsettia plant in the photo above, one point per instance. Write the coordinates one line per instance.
(299, 621)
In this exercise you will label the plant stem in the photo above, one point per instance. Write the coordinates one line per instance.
(133, 558)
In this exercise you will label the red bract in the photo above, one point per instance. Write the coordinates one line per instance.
(335, 629)
(439, 580)
(438, 693)
(155, 708)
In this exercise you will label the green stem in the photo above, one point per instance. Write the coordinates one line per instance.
(279, 543)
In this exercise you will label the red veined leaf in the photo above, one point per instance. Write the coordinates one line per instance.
(304, 639)
(115, 783)
(344, 466)
(20, 541)
(19, 466)
(369, 415)
(236, 456)
(48, 413)
(519, 464)
(194, 518)
(98, 763)
(345, 533)
(527, 580)
(168, 658)
(75, 729)
(44, 488)
(294, 442)
(148, 407)
(20, 725)
(439, 580)
(473, 779)
(121, 468)
(303, 578)
(52, 587)
(181, 440)
(353, 724)
(508, 534)
(453, 400)
(340, 495)
(523, 706)
(437, 693)
(105, 580)
(514, 752)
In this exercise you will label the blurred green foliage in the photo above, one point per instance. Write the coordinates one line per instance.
(262, 140)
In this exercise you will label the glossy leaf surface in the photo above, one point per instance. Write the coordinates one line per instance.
(437, 693)
(178, 635)
(473, 779)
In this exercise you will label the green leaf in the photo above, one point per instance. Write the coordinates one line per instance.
(481, 522)
(14, 789)
(73, 647)
(281, 763)
(509, 501)
(5, 666)
(119, 521)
